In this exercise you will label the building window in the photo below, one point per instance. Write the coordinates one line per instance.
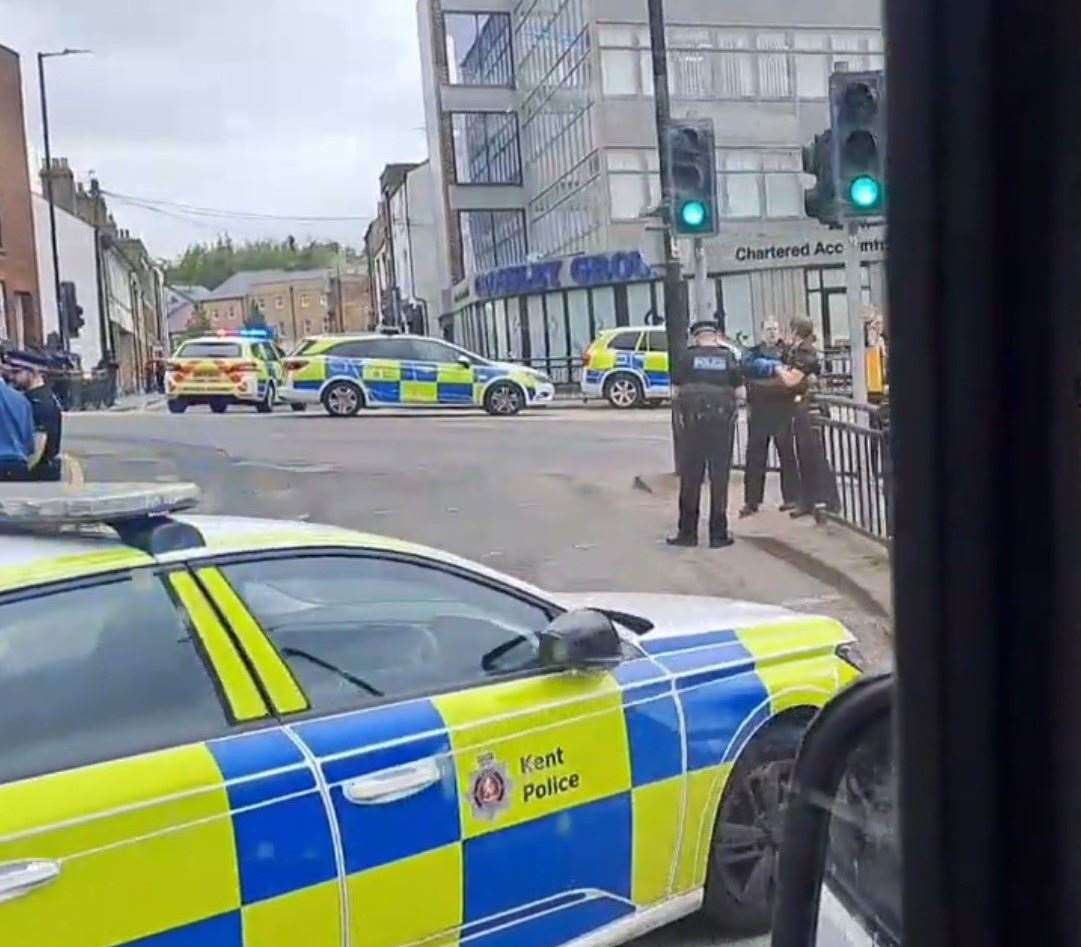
(479, 49)
(492, 239)
(486, 148)
(304, 301)
(323, 299)
(261, 303)
(279, 302)
(307, 327)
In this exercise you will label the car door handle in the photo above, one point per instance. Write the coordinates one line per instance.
(19, 878)
(393, 785)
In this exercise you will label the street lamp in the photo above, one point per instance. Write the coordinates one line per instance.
(49, 184)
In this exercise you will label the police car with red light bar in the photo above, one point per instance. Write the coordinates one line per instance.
(227, 368)
(252, 733)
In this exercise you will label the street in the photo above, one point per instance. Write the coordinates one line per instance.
(547, 496)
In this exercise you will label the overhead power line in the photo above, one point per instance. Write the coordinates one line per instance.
(192, 210)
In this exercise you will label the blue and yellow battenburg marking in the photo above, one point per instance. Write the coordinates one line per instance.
(394, 381)
(650, 367)
(558, 804)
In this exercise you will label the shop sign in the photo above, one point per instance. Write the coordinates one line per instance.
(584, 271)
(810, 249)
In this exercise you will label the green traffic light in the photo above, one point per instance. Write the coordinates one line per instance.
(693, 214)
(865, 192)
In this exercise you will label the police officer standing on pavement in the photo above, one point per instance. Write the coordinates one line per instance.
(45, 463)
(16, 433)
(770, 413)
(707, 398)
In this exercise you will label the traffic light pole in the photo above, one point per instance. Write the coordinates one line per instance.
(856, 332)
(701, 281)
(676, 323)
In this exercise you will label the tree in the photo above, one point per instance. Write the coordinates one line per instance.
(211, 264)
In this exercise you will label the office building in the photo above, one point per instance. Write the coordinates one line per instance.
(543, 149)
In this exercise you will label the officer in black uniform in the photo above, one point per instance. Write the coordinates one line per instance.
(29, 378)
(771, 408)
(709, 388)
(802, 367)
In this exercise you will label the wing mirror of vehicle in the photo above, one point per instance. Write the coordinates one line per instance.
(583, 640)
(465, 361)
(839, 877)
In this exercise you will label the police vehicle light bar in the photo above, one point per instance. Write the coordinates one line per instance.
(265, 334)
(60, 504)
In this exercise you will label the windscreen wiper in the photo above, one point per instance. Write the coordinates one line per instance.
(326, 665)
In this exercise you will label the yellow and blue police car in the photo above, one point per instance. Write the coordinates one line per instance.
(225, 369)
(346, 373)
(241, 733)
(627, 367)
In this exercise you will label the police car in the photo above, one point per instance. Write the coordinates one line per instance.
(346, 373)
(628, 367)
(224, 369)
(245, 733)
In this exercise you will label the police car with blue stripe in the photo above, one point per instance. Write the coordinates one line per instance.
(241, 733)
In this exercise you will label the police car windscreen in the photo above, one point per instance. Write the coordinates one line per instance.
(210, 350)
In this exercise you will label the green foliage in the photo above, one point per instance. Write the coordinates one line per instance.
(211, 264)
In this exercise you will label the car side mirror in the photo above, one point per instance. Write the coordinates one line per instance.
(583, 640)
(465, 361)
(839, 877)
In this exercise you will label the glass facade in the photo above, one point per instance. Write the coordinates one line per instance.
(752, 183)
(735, 64)
(479, 50)
(492, 239)
(555, 77)
(486, 148)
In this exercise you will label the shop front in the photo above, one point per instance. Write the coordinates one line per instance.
(545, 314)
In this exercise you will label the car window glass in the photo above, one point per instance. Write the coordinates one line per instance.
(428, 350)
(96, 673)
(209, 350)
(657, 341)
(390, 348)
(625, 341)
(361, 349)
(355, 629)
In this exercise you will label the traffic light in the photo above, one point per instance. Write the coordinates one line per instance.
(820, 202)
(692, 157)
(858, 115)
(71, 313)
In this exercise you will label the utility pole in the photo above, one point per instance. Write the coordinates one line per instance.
(701, 280)
(49, 185)
(854, 286)
(293, 314)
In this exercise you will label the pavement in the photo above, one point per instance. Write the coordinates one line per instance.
(549, 496)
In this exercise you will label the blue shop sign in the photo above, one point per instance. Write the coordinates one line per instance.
(584, 271)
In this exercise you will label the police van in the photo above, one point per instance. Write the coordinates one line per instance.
(346, 373)
(253, 733)
(225, 369)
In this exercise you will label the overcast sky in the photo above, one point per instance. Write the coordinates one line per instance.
(273, 106)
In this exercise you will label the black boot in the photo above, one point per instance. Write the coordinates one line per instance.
(721, 541)
(682, 539)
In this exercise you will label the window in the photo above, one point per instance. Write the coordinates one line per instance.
(492, 239)
(279, 302)
(305, 301)
(738, 192)
(57, 650)
(738, 309)
(625, 341)
(656, 341)
(486, 148)
(479, 49)
(322, 299)
(357, 629)
(427, 350)
(209, 350)
(307, 327)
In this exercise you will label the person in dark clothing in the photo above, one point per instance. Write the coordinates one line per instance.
(800, 371)
(710, 386)
(16, 434)
(770, 412)
(45, 409)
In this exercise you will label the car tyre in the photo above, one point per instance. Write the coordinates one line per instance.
(343, 399)
(266, 406)
(742, 876)
(219, 406)
(624, 392)
(177, 406)
(504, 400)
(298, 408)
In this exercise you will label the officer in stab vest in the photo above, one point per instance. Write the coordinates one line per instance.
(710, 389)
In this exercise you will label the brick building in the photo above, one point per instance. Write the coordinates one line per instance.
(20, 300)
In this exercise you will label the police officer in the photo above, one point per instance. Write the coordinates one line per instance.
(710, 387)
(800, 371)
(771, 409)
(30, 380)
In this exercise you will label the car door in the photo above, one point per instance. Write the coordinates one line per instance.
(147, 795)
(530, 805)
(443, 366)
(654, 353)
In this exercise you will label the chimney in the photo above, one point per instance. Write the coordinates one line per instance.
(63, 182)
